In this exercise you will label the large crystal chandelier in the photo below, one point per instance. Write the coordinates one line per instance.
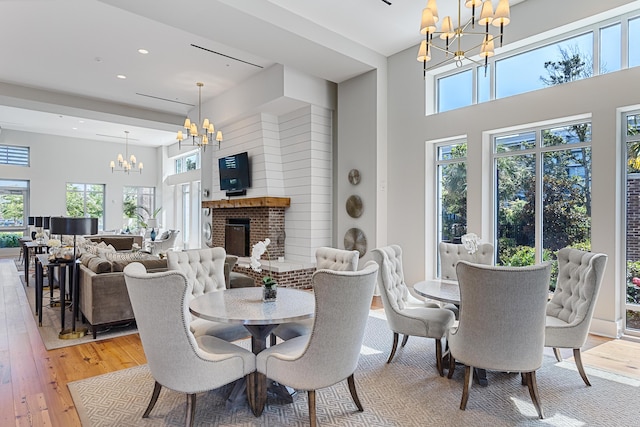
(452, 36)
(191, 128)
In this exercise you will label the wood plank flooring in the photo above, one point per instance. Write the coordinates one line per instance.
(33, 381)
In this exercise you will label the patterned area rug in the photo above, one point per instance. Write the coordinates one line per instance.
(51, 324)
(407, 392)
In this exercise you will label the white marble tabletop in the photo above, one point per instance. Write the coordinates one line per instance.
(245, 306)
(440, 290)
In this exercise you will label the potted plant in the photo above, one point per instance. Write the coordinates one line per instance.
(269, 286)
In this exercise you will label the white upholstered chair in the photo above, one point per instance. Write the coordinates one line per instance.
(330, 353)
(204, 269)
(501, 327)
(234, 279)
(570, 310)
(451, 253)
(165, 242)
(406, 315)
(326, 258)
(176, 358)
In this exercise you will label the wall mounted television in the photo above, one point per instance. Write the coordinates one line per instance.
(235, 174)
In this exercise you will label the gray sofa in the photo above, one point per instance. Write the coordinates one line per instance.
(104, 300)
(121, 242)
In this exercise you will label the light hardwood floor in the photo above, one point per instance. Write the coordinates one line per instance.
(33, 381)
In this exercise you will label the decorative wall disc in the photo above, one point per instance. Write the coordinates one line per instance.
(354, 176)
(354, 239)
(206, 231)
(354, 206)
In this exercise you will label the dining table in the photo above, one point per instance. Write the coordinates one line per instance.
(446, 291)
(245, 306)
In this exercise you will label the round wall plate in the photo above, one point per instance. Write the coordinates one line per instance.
(206, 231)
(354, 176)
(354, 239)
(354, 206)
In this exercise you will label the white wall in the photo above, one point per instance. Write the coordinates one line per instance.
(57, 160)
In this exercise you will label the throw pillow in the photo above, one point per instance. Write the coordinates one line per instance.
(86, 257)
(164, 236)
(152, 263)
(124, 256)
(99, 265)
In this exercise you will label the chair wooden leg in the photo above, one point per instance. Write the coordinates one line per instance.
(532, 383)
(191, 409)
(311, 396)
(556, 352)
(257, 392)
(439, 357)
(354, 395)
(578, 358)
(393, 347)
(404, 340)
(154, 398)
(452, 365)
(468, 379)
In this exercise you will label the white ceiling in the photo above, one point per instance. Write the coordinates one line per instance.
(78, 47)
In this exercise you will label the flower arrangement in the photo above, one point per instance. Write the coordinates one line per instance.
(470, 241)
(269, 286)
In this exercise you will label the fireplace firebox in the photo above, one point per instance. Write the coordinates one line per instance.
(236, 236)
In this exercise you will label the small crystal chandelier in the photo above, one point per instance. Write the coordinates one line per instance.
(452, 35)
(127, 163)
(191, 128)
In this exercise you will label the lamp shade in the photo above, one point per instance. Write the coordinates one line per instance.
(152, 222)
(39, 221)
(74, 226)
(46, 221)
(32, 220)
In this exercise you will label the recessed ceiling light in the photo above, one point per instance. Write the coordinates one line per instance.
(143, 51)
(74, 128)
(121, 76)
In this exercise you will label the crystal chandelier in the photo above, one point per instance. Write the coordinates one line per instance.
(191, 128)
(127, 163)
(452, 35)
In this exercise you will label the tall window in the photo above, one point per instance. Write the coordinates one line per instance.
(86, 200)
(451, 168)
(543, 193)
(137, 203)
(631, 140)
(14, 195)
(186, 214)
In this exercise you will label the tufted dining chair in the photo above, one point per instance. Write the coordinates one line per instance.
(404, 315)
(330, 353)
(204, 269)
(451, 253)
(501, 325)
(570, 310)
(329, 259)
(176, 358)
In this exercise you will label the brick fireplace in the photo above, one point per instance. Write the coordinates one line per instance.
(265, 219)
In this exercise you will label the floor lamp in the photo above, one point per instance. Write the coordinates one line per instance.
(73, 227)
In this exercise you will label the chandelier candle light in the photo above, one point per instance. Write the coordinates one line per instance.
(453, 36)
(191, 128)
(269, 286)
(127, 163)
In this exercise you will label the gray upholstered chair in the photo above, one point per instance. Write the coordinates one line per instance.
(329, 259)
(204, 269)
(330, 353)
(404, 315)
(501, 327)
(570, 310)
(176, 358)
(451, 253)
(234, 279)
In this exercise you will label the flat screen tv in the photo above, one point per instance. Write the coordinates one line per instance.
(235, 174)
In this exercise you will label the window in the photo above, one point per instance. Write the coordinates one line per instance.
(14, 155)
(14, 196)
(137, 203)
(634, 42)
(451, 168)
(188, 162)
(610, 52)
(543, 193)
(455, 91)
(86, 200)
(631, 138)
(186, 214)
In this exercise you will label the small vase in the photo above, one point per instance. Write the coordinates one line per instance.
(153, 235)
(269, 293)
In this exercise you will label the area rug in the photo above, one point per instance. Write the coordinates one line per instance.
(406, 392)
(51, 324)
